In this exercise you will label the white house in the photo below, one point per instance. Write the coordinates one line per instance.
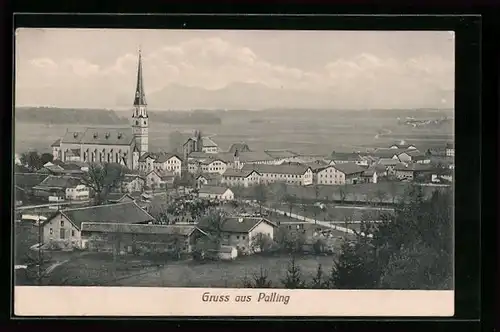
(64, 227)
(343, 173)
(156, 180)
(244, 178)
(161, 162)
(241, 232)
(78, 193)
(132, 183)
(209, 146)
(291, 173)
(213, 166)
(214, 192)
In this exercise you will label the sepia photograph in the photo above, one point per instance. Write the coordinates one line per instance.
(233, 166)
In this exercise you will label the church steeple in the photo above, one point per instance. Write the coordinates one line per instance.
(140, 96)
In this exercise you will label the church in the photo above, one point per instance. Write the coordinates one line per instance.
(110, 145)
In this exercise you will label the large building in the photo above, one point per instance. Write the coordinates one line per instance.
(116, 145)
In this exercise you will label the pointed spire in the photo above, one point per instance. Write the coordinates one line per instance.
(140, 96)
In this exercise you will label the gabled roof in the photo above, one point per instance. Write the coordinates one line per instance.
(388, 162)
(99, 135)
(214, 190)
(413, 167)
(239, 173)
(208, 143)
(56, 143)
(28, 180)
(58, 182)
(254, 156)
(237, 225)
(208, 176)
(349, 168)
(123, 213)
(345, 156)
(387, 152)
(200, 155)
(183, 230)
(414, 153)
(292, 168)
(165, 156)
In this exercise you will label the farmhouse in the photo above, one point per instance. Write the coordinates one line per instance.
(132, 183)
(413, 156)
(343, 173)
(389, 165)
(369, 176)
(64, 227)
(213, 166)
(288, 173)
(207, 179)
(54, 188)
(160, 162)
(241, 232)
(139, 238)
(218, 193)
(244, 178)
(412, 172)
(78, 193)
(157, 180)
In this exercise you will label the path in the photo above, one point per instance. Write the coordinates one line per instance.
(327, 224)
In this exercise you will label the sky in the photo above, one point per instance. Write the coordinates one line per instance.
(89, 68)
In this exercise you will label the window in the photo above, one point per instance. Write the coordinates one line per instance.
(62, 223)
(237, 237)
(61, 233)
(243, 237)
(51, 231)
(72, 232)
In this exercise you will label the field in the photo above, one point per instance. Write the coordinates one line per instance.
(315, 132)
(227, 274)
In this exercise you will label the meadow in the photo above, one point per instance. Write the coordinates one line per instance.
(314, 132)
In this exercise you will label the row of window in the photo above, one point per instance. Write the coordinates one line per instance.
(62, 233)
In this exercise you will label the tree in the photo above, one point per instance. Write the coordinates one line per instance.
(342, 191)
(290, 201)
(319, 281)
(102, 178)
(260, 194)
(261, 242)
(214, 224)
(258, 281)
(46, 157)
(411, 249)
(293, 277)
(381, 196)
(32, 160)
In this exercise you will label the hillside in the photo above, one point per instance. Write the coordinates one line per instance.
(49, 115)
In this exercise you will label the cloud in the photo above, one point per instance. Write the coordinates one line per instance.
(214, 63)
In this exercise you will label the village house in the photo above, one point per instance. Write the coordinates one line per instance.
(387, 153)
(243, 178)
(126, 238)
(161, 162)
(343, 173)
(64, 227)
(241, 233)
(216, 193)
(54, 188)
(410, 172)
(132, 183)
(369, 175)
(156, 180)
(288, 173)
(413, 156)
(350, 157)
(205, 179)
(389, 164)
(78, 193)
(450, 150)
(283, 156)
(213, 166)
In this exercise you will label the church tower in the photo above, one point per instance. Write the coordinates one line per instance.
(140, 119)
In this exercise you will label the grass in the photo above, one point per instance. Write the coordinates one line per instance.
(226, 274)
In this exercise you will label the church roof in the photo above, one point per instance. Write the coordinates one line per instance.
(107, 136)
(56, 143)
(140, 96)
(208, 143)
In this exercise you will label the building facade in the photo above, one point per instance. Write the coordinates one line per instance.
(110, 145)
